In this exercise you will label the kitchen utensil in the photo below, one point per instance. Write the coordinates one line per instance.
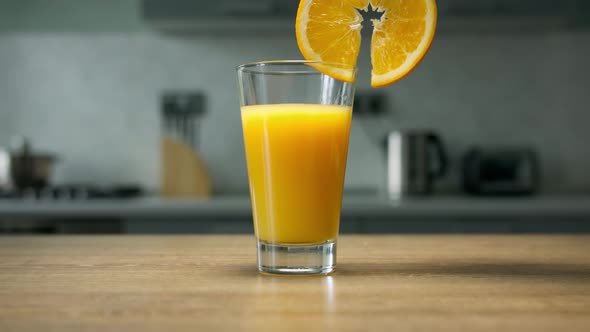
(414, 160)
(501, 171)
(24, 168)
(184, 172)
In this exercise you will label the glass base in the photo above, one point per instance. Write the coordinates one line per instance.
(296, 258)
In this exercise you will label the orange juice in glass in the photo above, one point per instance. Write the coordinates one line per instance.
(296, 124)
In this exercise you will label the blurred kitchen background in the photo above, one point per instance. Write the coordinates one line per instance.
(91, 90)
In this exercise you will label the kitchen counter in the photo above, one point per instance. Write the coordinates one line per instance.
(209, 283)
(354, 206)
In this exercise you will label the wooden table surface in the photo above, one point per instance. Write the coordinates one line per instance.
(209, 283)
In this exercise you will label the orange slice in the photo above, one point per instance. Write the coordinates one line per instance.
(330, 30)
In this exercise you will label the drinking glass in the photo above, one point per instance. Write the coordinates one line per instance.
(296, 124)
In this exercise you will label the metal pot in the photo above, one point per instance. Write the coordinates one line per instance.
(22, 168)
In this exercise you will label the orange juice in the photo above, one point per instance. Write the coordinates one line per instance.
(296, 155)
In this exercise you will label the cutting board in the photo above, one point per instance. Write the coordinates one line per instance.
(184, 172)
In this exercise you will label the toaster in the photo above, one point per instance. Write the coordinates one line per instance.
(501, 171)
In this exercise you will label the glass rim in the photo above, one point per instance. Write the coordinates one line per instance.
(253, 67)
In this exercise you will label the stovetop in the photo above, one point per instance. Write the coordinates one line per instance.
(73, 192)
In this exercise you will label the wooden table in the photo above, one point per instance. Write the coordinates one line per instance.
(207, 283)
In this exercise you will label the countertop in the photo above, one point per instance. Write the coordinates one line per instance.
(210, 283)
(353, 206)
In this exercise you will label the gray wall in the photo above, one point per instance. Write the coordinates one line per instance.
(89, 92)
